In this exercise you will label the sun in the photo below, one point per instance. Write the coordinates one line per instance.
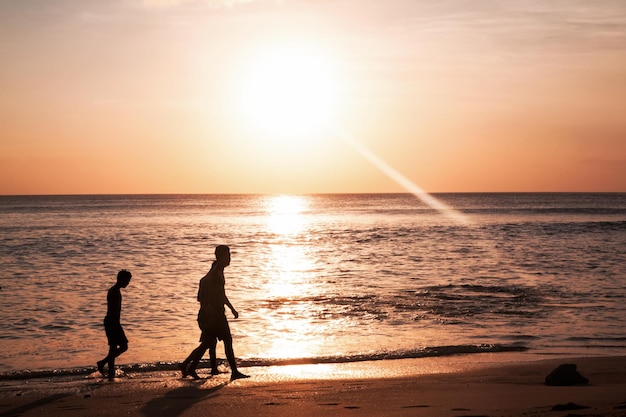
(288, 90)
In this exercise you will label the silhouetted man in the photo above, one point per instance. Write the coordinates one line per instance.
(212, 319)
(118, 343)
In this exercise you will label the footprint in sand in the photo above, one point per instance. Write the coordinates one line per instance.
(569, 407)
(467, 415)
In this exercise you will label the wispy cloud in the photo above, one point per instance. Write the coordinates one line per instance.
(210, 3)
(606, 163)
(558, 25)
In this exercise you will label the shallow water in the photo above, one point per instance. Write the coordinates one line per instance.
(319, 278)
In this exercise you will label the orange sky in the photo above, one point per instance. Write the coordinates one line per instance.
(133, 96)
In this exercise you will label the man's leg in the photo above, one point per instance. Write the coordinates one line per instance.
(105, 360)
(110, 360)
(230, 356)
(114, 352)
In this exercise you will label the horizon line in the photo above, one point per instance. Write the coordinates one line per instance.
(304, 193)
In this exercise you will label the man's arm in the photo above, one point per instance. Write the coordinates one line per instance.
(232, 309)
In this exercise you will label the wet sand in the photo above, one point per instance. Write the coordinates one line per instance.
(458, 386)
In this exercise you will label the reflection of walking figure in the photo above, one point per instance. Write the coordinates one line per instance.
(212, 319)
(118, 343)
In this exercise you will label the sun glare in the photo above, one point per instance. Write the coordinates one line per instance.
(288, 90)
(284, 214)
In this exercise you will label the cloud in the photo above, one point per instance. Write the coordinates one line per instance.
(606, 163)
(558, 25)
(210, 3)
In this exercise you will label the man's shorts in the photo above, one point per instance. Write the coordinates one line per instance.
(213, 326)
(115, 334)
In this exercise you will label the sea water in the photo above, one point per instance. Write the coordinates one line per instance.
(315, 278)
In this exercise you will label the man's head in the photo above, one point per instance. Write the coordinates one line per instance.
(123, 278)
(222, 254)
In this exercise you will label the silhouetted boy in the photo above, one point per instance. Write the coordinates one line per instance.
(212, 319)
(118, 343)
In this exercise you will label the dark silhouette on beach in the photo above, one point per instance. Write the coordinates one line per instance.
(177, 401)
(118, 343)
(212, 319)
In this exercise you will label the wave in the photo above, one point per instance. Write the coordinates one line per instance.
(434, 351)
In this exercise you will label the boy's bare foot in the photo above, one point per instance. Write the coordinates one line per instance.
(194, 375)
(215, 372)
(238, 375)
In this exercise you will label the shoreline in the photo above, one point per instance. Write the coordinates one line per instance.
(428, 352)
(445, 386)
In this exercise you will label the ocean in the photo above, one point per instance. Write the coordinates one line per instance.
(315, 278)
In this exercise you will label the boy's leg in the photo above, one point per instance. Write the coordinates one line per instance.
(197, 354)
(184, 365)
(213, 356)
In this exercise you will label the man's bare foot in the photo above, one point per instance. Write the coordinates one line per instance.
(238, 375)
(100, 365)
(215, 372)
(194, 375)
(183, 369)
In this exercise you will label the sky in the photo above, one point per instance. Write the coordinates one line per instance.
(217, 96)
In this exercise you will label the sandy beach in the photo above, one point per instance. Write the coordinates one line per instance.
(459, 386)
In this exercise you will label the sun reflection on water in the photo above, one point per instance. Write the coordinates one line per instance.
(285, 214)
(290, 314)
(292, 270)
(292, 283)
